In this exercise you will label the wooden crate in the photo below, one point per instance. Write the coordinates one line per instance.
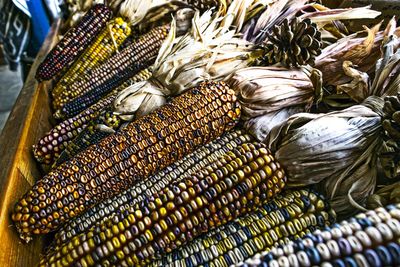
(28, 121)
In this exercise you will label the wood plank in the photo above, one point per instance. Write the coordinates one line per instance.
(28, 121)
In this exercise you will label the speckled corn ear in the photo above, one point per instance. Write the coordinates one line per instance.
(177, 171)
(74, 42)
(112, 73)
(105, 45)
(368, 239)
(71, 109)
(144, 147)
(288, 216)
(50, 147)
(238, 183)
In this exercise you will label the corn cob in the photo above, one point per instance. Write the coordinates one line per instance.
(91, 134)
(76, 106)
(51, 146)
(112, 73)
(368, 239)
(105, 45)
(286, 217)
(240, 182)
(75, 41)
(144, 147)
(173, 173)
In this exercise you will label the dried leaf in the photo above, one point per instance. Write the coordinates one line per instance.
(337, 151)
(262, 90)
(211, 50)
(389, 194)
(358, 88)
(324, 15)
(360, 50)
(261, 126)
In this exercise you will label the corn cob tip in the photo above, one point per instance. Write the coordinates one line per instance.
(37, 153)
(20, 221)
(57, 115)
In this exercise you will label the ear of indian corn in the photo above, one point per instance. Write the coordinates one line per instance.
(144, 147)
(176, 172)
(286, 217)
(51, 146)
(239, 182)
(105, 45)
(368, 239)
(74, 42)
(74, 107)
(112, 73)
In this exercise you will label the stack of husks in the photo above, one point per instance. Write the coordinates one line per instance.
(219, 133)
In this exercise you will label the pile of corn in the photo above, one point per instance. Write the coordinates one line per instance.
(170, 150)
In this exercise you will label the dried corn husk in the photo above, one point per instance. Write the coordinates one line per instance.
(211, 50)
(336, 151)
(387, 71)
(362, 51)
(269, 95)
(258, 29)
(389, 194)
(262, 90)
(261, 126)
(386, 76)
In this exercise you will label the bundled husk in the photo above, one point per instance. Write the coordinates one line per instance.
(362, 51)
(383, 80)
(389, 194)
(337, 152)
(269, 95)
(210, 51)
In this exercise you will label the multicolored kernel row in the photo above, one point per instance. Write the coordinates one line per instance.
(368, 239)
(105, 45)
(76, 106)
(240, 182)
(101, 80)
(288, 216)
(176, 172)
(144, 147)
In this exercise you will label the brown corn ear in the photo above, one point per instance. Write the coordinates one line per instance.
(74, 42)
(144, 147)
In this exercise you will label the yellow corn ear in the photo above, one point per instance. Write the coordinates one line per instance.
(110, 38)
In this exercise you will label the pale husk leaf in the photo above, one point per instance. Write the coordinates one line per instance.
(388, 194)
(135, 10)
(337, 151)
(262, 90)
(261, 126)
(387, 72)
(362, 51)
(323, 15)
(207, 52)
(358, 88)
